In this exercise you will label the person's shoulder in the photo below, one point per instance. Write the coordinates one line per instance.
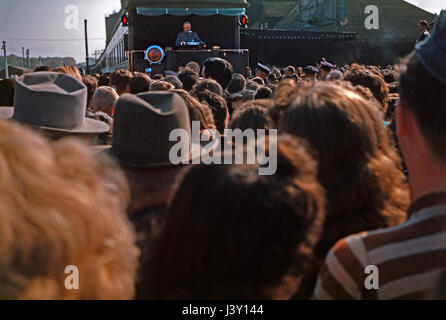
(342, 272)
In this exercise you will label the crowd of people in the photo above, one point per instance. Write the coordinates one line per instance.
(86, 180)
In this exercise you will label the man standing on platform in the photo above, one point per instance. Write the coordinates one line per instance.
(187, 36)
(422, 28)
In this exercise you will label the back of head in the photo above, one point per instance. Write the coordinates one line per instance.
(291, 69)
(238, 83)
(218, 106)
(264, 93)
(140, 83)
(197, 111)
(252, 85)
(189, 78)
(120, 79)
(104, 99)
(194, 66)
(210, 85)
(259, 81)
(355, 157)
(161, 86)
(104, 79)
(361, 76)
(7, 92)
(173, 80)
(71, 219)
(219, 244)
(69, 70)
(218, 69)
(250, 116)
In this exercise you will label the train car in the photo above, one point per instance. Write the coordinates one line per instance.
(145, 38)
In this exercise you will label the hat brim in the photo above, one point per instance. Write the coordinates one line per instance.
(108, 150)
(89, 126)
(6, 113)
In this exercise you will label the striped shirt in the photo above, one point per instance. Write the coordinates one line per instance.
(409, 257)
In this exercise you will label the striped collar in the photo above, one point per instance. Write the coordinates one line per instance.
(426, 201)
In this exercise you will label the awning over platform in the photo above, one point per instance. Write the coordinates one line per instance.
(188, 11)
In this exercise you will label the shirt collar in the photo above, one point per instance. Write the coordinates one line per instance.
(428, 200)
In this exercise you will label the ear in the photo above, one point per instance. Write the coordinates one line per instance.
(404, 121)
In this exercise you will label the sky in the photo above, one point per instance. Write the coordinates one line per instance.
(40, 25)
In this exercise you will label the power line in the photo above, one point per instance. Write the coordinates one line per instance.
(47, 40)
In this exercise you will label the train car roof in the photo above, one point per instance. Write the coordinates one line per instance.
(189, 3)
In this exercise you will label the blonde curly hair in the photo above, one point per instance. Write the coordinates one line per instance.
(57, 209)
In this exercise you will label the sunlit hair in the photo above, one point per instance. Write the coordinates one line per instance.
(69, 70)
(59, 206)
(197, 110)
(371, 79)
(358, 166)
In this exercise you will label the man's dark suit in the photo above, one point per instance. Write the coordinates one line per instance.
(187, 37)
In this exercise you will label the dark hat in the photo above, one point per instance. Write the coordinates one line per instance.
(432, 52)
(311, 70)
(327, 65)
(142, 127)
(54, 102)
(263, 68)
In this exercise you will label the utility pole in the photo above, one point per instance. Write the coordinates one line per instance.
(6, 60)
(86, 46)
(27, 59)
(23, 55)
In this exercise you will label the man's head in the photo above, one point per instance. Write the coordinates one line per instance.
(120, 79)
(210, 85)
(193, 66)
(420, 116)
(104, 100)
(311, 72)
(421, 113)
(218, 69)
(262, 71)
(187, 26)
(189, 78)
(140, 83)
(290, 70)
(161, 86)
(422, 25)
(238, 83)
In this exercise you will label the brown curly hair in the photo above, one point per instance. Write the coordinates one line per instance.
(371, 79)
(358, 166)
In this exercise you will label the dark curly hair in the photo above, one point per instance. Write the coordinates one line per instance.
(231, 233)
